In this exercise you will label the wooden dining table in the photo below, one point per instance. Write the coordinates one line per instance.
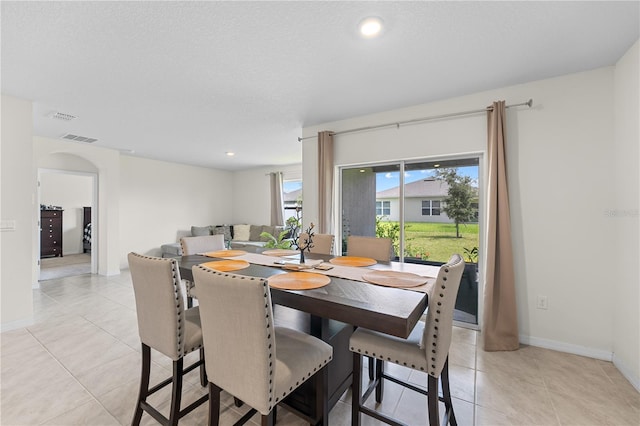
(331, 313)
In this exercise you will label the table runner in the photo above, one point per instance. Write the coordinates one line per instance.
(353, 273)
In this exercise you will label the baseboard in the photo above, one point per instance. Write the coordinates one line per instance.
(14, 325)
(567, 347)
(627, 372)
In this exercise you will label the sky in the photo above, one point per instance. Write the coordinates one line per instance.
(291, 185)
(388, 180)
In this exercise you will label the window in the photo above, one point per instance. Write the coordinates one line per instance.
(430, 208)
(291, 197)
(383, 208)
(424, 226)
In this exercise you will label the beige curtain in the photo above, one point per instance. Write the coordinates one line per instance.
(325, 183)
(500, 325)
(277, 205)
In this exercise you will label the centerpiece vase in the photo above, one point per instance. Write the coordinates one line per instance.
(301, 257)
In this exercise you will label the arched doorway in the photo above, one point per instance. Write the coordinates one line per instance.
(67, 188)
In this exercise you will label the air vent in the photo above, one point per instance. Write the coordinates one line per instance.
(77, 138)
(62, 116)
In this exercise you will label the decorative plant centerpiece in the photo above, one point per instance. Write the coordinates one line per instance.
(304, 243)
(294, 226)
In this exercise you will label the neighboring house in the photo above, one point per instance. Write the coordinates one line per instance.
(291, 200)
(424, 202)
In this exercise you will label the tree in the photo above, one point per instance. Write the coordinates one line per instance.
(460, 196)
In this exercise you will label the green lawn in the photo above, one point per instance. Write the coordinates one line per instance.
(438, 240)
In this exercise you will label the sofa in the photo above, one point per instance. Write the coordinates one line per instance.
(242, 237)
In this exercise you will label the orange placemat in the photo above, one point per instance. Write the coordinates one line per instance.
(280, 252)
(394, 279)
(353, 261)
(299, 281)
(227, 265)
(225, 253)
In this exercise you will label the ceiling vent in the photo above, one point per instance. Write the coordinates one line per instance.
(62, 116)
(77, 138)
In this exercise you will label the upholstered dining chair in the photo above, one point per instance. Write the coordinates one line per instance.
(322, 243)
(165, 326)
(375, 248)
(426, 349)
(246, 355)
(195, 245)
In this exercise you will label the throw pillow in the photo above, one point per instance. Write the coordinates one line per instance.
(198, 231)
(224, 230)
(241, 232)
(254, 232)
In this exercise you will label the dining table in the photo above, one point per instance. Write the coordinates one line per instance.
(331, 311)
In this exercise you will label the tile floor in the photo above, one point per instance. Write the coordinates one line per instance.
(79, 364)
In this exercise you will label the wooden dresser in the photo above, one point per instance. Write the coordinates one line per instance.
(51, 233)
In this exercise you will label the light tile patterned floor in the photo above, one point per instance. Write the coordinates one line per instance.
(79, 364)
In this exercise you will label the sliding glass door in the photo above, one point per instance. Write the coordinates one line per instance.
(429, 209)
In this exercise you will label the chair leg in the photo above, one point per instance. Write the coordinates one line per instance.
(379, 378)
(432, 400)
(176, 392)
(189, 302)
(356, 389)
(203, 371)
(144, 383)
(214, 405)
(371, 368)
(446, 393)
(268, 420)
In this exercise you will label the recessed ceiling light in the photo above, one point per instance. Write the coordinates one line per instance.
(436, 165)
(370, 27)
(230, 154)
(362, 170)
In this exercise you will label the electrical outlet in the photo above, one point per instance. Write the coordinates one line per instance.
(541, 302)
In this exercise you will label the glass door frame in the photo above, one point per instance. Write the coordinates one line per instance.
(401, 163)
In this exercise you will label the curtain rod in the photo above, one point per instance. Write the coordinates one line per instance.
(529, 103)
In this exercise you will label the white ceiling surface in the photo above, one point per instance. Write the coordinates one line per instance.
(188, 81)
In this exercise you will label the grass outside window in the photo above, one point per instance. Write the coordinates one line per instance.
(437, 241)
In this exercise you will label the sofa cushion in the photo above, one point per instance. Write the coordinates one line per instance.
(241, 232)
(254, 232)
(171, 250)
(224, 230)
(199, 231)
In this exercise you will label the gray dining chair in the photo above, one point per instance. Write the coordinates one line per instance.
(426, 349)
(373, 247)
(246, 355)
(322, 243)
(197, 245)
(165, 326)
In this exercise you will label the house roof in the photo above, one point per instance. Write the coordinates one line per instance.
(420, 188)
(292, 196)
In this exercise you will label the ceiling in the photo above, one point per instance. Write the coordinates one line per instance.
(188, 81)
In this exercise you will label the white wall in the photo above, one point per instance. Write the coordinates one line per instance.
(252, 193)
(17, 204)
(72, 192)
(559, 156)
(160, 201)
(626, 184)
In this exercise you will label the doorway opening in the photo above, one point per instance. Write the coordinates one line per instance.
(67, 220)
